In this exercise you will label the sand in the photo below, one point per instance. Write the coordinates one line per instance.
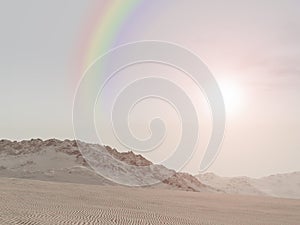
(39, 202)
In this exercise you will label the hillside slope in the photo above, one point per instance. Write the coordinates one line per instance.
(280, 185)
(55, 160)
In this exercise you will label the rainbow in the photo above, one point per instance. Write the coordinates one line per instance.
(104, 30)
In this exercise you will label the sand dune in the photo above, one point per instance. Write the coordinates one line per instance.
(39, 202)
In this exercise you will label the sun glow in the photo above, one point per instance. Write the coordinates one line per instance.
(232, 95)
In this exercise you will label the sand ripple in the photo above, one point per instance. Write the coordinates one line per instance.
(34, 202)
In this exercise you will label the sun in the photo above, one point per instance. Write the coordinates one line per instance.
(232, 95)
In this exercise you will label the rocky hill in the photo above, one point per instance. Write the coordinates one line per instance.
(55, 160)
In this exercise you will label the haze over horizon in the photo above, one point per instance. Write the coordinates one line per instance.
(252, 48)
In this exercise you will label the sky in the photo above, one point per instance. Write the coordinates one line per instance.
(251, 47)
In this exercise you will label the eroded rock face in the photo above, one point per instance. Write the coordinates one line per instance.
(129, 157)
(188, 182)
(32, 146)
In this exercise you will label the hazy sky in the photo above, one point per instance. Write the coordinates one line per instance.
(252, 48)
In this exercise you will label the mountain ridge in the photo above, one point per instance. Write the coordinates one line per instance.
(56, 160)
(61, 161)
(283, 185)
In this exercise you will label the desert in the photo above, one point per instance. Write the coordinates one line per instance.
(56, 186)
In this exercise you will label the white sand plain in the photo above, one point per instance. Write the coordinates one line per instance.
(38, 202)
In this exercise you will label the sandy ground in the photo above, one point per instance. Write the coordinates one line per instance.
(39, 202)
